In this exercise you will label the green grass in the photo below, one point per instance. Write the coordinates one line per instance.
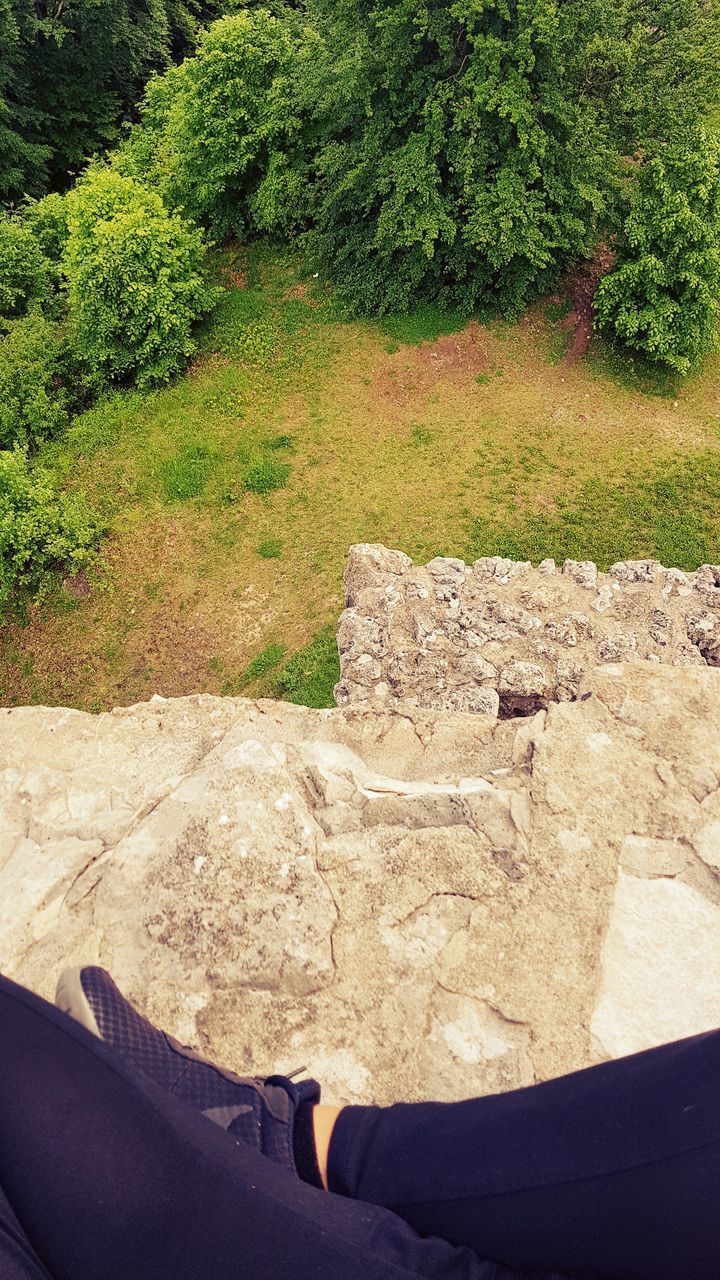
(420, 434)
(310, 675)
(186, 474)
(256, 669)
(633, 371)
(672, 511)
(265, 474)
(282, 442)
(232, 494)
(270, 549)
(425, 323)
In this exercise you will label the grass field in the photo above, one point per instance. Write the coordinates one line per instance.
(231, 496)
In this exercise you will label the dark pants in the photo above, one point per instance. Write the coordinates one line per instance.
(612, 1172)
(103, 1176)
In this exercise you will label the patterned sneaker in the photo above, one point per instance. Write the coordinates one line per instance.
(260, 1113)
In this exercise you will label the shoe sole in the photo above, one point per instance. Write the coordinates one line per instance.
(71, 998)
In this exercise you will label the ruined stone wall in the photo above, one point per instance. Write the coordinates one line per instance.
(500, 636)
(413, 903)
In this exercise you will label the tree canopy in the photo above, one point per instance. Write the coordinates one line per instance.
(71, 71)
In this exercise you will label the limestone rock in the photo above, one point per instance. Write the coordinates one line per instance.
(446, 635)
(413, 902)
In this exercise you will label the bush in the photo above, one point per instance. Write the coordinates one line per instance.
(220, 137)
(34, 401)
(43, 531)
(663, 297)
(24, 269)
(135, 275)
(48, 221)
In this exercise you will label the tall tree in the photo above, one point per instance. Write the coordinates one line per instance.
(71, 71)
(22, 156)
(459, 159)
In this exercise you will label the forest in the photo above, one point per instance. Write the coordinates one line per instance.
(461, 156)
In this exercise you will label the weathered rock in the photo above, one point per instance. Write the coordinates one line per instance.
(447, 635)
(413, 903)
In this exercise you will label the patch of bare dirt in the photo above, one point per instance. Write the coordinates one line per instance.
(77, 585)
(169, 649)
(581, 287)
(456, 358)
(206, 364)
(299, 293)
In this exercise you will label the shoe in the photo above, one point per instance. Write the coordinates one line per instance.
(258, 1112)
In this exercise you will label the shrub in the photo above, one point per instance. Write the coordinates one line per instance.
(663, 297)
(33, 366)
(24, 269)
(135, 275)
(220, 135)
(48, 221)
(265, 474)
(43, 531)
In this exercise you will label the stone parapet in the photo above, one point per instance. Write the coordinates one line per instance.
(502, 637)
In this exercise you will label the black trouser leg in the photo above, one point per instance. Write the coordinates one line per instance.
(18, 1260)
(113, 1179)
(611, 1173)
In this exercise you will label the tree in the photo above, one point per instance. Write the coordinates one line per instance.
(71, 71)
(663, 296)
(23, 156)
(457, 161)
(220, 134)
(135, 277)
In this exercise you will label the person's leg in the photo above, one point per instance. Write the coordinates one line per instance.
(111, 1177)
(611, 1173)
(18, 1259)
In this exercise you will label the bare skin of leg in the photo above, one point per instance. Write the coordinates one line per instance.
(323, 1124)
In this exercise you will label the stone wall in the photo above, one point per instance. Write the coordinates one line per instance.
(502, 636)
(413, 903)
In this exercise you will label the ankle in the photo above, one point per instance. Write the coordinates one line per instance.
(323, 1118)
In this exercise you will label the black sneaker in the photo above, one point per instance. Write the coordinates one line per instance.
(258, 1112)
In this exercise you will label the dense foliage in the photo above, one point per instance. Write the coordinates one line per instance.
(70, 71)
(221, 133)
(24, 268)
(36, 373)
(459, 151)
(43, 531)
(467, 151)
(462, 152)
(457, 160)
(135, 281)
(663, 296)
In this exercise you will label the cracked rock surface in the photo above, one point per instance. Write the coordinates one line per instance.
(500, 636)
(413, 903)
